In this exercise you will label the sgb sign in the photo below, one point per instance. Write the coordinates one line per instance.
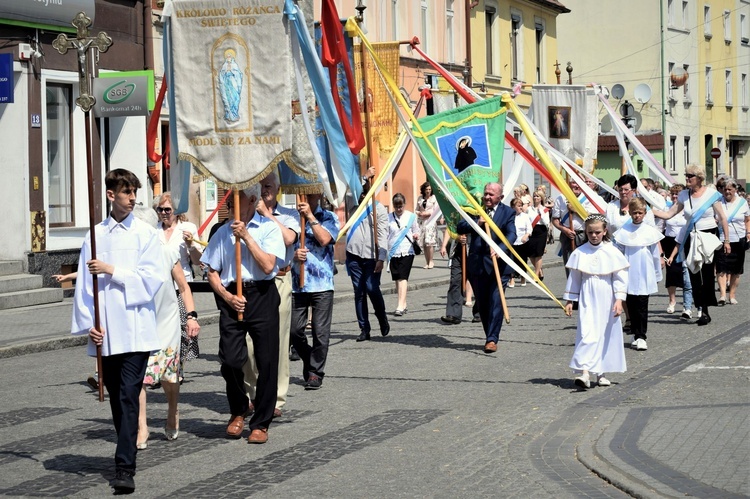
(124, 96)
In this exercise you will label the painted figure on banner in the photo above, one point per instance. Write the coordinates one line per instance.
(465, 154)
(230, 86)
(559, 122)
(465, 148)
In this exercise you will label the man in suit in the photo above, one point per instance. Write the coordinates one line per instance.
(481, 268)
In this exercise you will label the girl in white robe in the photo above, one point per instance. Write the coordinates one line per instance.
(640, 243)
(597, 280)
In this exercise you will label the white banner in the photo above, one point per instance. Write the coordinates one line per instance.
(232, 87)
(566, 115)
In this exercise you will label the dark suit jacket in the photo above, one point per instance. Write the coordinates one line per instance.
(479, 251)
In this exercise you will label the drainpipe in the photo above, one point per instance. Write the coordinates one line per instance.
(663, 110)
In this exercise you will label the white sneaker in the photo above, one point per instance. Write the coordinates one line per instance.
(639, 344)
(582, 381)
(670, 308)
(687, 314)
(602, 381)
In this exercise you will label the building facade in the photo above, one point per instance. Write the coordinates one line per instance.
(680, 65)
(44, 144)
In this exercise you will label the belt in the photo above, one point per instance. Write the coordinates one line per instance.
(284, 271)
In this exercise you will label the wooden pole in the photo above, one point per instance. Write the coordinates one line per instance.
(504, 304)
(368, 138)
(238, 250)
(463, 269)
(92, 227)
(301, 198)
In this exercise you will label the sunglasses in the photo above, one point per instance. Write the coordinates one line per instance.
(164, 210)
(689, 175)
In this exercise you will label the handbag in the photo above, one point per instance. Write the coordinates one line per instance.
(580, 238)
(415, 245)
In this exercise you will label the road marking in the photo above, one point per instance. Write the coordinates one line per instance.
(697, 367)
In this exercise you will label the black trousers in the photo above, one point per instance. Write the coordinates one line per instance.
(638, 310)
(123, 377)
(261, 321)
(313, 357)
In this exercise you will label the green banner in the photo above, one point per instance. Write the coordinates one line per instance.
(470, 141)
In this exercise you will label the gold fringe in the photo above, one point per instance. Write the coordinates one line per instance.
(204, 173)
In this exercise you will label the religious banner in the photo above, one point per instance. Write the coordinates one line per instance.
(566, 115)
(231, 82)
(470, 142)
(383, 119)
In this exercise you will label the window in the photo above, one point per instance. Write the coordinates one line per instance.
(212, 195)
(451, 53)
(744, 96)
(489, 22)
(515, 47)
(727, 27)
(539, 32)
(424, 26)
(685, 15)
(672, 146)
(686, 150)
(709, 86)
(744, 30)
(707, 21)
(728, 86)
(59, 154)
(670, 13)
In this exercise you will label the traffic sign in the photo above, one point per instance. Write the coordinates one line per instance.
(715, 153)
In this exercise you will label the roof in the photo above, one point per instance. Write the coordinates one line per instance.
(553, 4)
(653, 141)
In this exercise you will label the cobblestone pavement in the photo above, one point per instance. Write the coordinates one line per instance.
(420, 413)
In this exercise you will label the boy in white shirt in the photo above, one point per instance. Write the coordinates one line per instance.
(128, 274)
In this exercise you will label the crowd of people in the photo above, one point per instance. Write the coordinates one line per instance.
(613, 261)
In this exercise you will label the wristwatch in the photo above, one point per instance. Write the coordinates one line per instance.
(192, 315)
(314, 222)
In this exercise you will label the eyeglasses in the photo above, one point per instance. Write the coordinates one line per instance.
(164, 210)
(689, 175)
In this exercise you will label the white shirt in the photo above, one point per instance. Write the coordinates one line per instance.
(674, 225)
(737, 229)
(560, 209)
(126, 298)
(405, 247)
(523, 227)
(178, 243)
(693, 204)
(534, 212)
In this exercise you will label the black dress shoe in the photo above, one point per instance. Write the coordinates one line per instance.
(293, 355)
(476, 319)
(123, 482)
(363, 336)
(449, 319)
(704, 320)
(384, 330)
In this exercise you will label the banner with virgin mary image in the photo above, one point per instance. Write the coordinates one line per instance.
(231, 75)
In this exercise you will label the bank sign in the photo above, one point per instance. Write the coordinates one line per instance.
(44, 13)
(121, 96)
